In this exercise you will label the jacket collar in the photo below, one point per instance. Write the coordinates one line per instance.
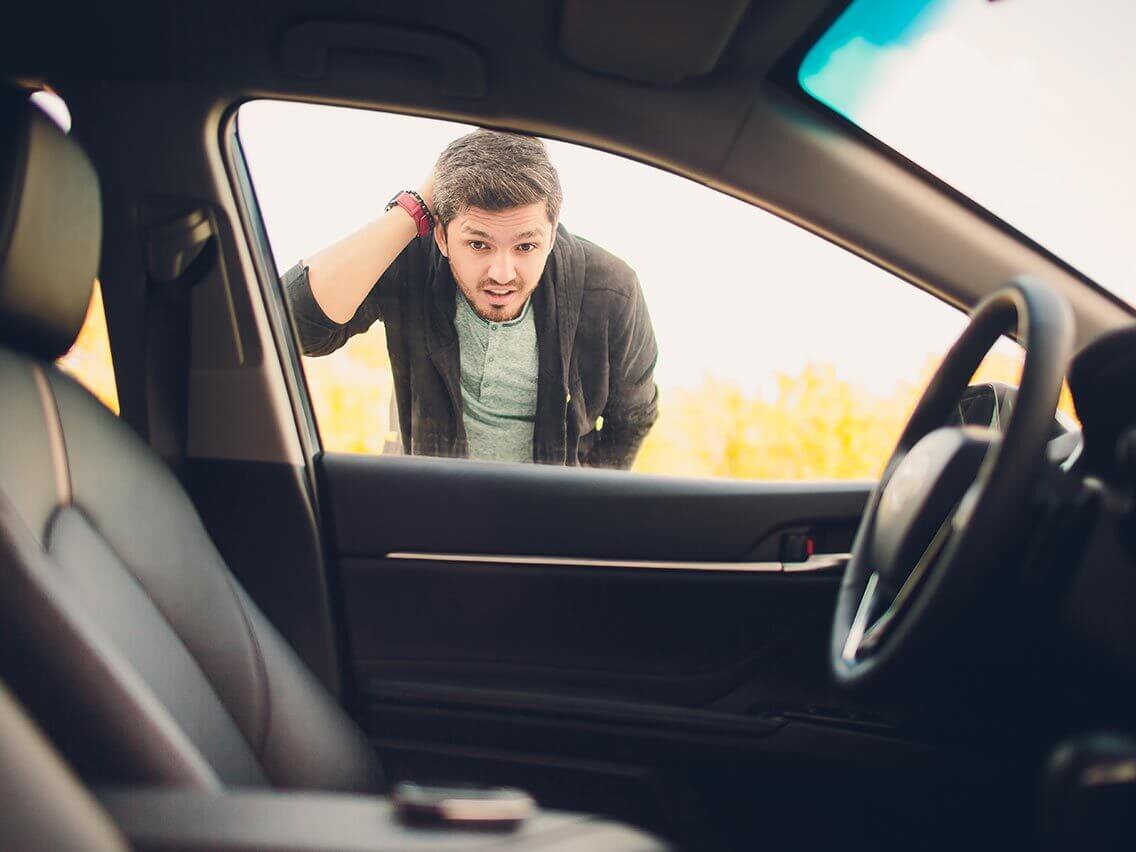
(442, 342)
(440, 330)
(567, 279)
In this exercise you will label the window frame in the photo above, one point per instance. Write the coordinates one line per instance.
(280, 321)
(280, 316)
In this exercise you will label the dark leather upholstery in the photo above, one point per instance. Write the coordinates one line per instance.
(50, 230)
(121, 628)
(43, 807)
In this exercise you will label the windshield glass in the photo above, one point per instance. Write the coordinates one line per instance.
(1025, 107)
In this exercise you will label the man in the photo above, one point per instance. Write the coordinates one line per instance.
(510, 339)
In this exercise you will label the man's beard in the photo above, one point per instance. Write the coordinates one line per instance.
(503, 313)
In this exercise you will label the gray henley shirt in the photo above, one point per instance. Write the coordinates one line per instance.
(498, 383)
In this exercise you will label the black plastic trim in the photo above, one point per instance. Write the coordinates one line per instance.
(284, 337)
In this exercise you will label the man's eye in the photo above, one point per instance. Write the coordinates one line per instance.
(527, 247)
(476, 245)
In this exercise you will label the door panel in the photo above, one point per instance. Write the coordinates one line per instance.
(577, 583)
(583, 595)
(614, 643)
(569, 584)
(680, 637)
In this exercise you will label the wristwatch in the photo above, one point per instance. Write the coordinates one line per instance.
(412, 203)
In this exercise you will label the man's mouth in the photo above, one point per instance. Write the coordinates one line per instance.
(499, 296)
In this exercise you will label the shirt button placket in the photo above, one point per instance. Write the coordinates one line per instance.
(487, 381)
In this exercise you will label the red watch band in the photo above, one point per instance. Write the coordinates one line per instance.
(413, 204)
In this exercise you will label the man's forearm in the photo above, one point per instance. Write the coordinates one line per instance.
(618, 445)
(342, 274)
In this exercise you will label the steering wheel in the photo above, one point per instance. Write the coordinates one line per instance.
(952, 500)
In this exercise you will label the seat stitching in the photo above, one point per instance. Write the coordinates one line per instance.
(266, 713)
(101, 654)
(54, 423)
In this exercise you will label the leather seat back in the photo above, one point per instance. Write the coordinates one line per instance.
(54, 812)
(121, 628)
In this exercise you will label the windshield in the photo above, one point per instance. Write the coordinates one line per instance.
(1025, 107)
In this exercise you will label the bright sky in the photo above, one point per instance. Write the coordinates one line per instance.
(733, 291)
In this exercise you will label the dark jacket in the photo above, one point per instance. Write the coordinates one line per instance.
(595, 349)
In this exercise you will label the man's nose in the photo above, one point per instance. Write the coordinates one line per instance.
(502, 270)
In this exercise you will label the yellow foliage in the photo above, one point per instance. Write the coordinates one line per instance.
(88, 361)
(351, 392)
(815, 425)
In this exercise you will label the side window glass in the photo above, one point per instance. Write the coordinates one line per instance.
(88, 360)
(710, 339)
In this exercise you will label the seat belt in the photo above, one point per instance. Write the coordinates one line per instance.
(180, 251)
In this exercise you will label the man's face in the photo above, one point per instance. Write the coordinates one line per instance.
(498, 257)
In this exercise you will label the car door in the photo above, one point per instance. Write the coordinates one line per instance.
(626, 624)
(649, 643)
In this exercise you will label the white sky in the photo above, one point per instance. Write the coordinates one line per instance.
(733, 291)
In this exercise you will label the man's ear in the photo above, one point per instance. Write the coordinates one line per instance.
(440, 239)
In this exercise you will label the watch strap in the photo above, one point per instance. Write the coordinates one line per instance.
(412, 203)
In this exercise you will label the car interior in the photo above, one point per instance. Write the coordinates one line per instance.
(218, 635)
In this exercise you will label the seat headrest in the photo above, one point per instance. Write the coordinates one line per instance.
(50, 230)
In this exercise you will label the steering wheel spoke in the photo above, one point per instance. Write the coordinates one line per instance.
(879, 628)
(862, 620)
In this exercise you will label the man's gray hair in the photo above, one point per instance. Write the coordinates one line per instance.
(494, 171)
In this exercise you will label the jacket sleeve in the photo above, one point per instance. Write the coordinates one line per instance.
(319, 334)
(632, 405)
